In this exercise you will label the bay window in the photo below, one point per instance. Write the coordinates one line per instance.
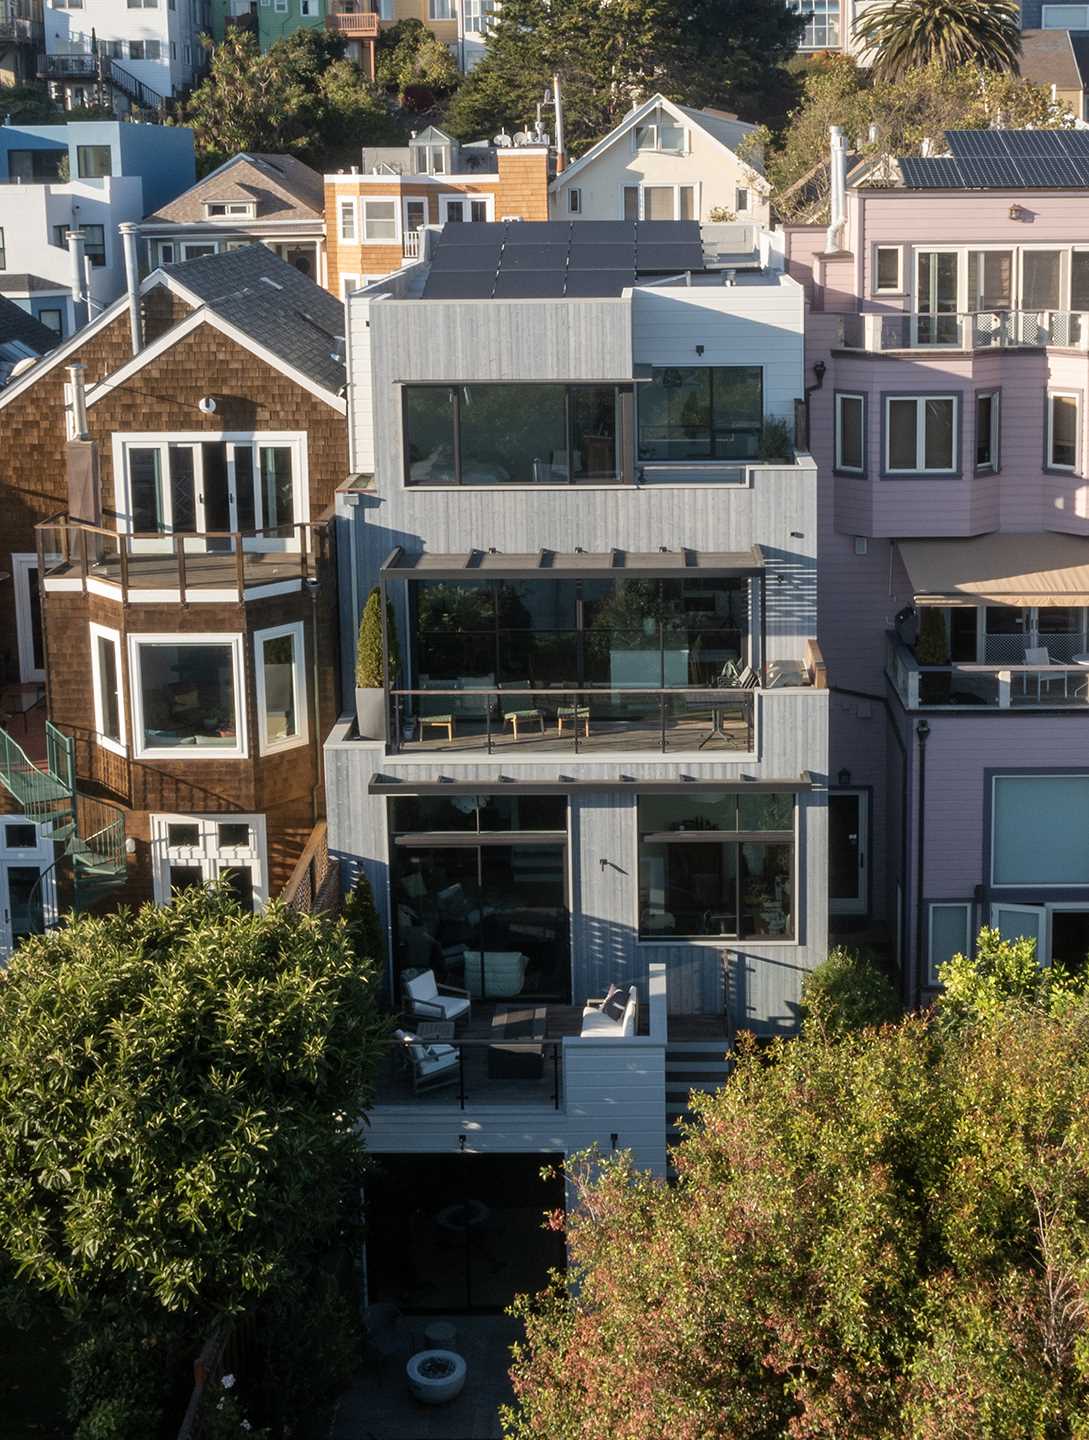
(106, 688)
(280, 677)
(921, 434)
(187, 696)
(1063, 421)
(701, 413)
(988, 410)
(851, 433)
(716, 865)
(512, 434)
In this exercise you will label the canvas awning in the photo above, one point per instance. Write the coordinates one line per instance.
(1042, 570)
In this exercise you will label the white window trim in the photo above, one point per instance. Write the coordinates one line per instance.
(451, 5)
(112, 637)
(21, 566)
(296, 439)
(740, 209)
(298, 684)
(346, 209)
(656, 126)
(187, 245)
(465, 197)
(921, 400)
(898, 288)
(696, 186)
(859, 469)
(408, 200)
(348, 283)
(367, 200)
(1052, 463)
(965, 905)
(574, 200)
(238, 751)
(215, 859)
(992, 465)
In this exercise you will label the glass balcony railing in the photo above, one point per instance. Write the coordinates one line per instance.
(571, 721)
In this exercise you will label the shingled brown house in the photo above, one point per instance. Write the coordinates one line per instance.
(167, 478)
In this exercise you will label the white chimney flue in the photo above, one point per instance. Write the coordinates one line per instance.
(132, 282)
(837, 175)
(79, 401)
(75, 255)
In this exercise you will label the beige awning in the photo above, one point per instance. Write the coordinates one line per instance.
(1045, 569)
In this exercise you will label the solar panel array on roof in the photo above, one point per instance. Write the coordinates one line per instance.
(545, 259)
(1004, 160)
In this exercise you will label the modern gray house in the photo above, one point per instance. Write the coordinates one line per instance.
(603, 759)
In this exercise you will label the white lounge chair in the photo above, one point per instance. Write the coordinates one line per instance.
(597, 1024)
(427, 1000)
(432, 1066)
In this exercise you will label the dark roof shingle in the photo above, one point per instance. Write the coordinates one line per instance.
(275, 305)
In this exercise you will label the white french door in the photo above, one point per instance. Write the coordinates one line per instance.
(192, 850)
(27, 902)
(209, 487)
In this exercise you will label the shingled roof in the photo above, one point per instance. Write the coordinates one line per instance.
(275, 305)
(17, 324)
(283, 187)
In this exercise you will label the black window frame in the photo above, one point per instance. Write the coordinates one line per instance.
(623, 395)
(721, 837)
(82, 150)
(712, 457)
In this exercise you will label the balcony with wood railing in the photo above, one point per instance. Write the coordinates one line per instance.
(353, 24)
(208, 566)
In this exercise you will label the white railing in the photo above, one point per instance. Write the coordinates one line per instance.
(995, 687)
(973, 330)
(411, 245)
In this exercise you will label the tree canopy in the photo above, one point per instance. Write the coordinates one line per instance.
(919, 105)
(179, 1095)
(613, 54)
(905, 34)
(412, 63)
(881, 1234)
(300, 97)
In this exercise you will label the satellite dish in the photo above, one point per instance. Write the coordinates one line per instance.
(521, 137)
(502, 140)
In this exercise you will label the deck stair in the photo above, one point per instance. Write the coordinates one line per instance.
(700, 1065)
(89, 834)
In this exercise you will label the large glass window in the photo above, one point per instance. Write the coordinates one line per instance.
(511, 434)
(1040, 830)
(822, 23)
(990, 280)
(281, 686)
(716, 865)
(920, 434)
(1041, 279)
(186, 695)
(490, 916)
(701, 413)
(200, 486)
(379, 220)
(94, 241)
(94, 162)
(639, 634)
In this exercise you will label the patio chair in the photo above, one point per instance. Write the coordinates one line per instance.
(424, 998)
(1040, 655)
(431, 1066)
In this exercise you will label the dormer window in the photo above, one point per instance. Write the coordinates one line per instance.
(431, 159)
(664, 137)
(221, 209)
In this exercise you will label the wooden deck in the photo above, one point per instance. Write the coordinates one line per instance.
(681, 735)
(203, 570)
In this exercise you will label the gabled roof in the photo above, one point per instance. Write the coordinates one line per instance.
(284, 188)
(23, 283)
(16, 324)
(1050, 57)
(723, 131)
(268, 300)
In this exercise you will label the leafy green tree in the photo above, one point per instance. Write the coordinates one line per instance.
(612, 54)
(300, 97)
(876, 1237)
(979, 986)
(847, 992)
(906, 34)
(410, 55)
(179, 1096)
(920, 105)
(364, 926)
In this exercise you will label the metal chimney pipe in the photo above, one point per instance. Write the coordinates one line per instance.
(79, 401)
(557, 99)
(75, 255)
(132, 281)
(838, 189)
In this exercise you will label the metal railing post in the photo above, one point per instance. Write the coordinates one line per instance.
(662, 719)
(556, 1074)
(179, 555)
(239, 565)
(461, 1076)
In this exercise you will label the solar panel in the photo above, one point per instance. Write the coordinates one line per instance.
(538, 232)
(465, 257)
(529, 284)
(603, 232)
(930, 173)
(983, 144)
(986, 173)
(601, 283)
(459, 285)
(534, 257)
(618, 256)
(1054, 171)
(1021, 143)
(672, 258)
(671, 232)
(457, 232)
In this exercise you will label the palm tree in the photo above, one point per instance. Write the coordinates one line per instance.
(904, 34)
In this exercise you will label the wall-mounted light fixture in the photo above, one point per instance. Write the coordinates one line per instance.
(1018, 212)
(207, 405)
(699, 349)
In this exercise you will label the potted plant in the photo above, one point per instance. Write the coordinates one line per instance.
(932, 648)
(370, 696)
